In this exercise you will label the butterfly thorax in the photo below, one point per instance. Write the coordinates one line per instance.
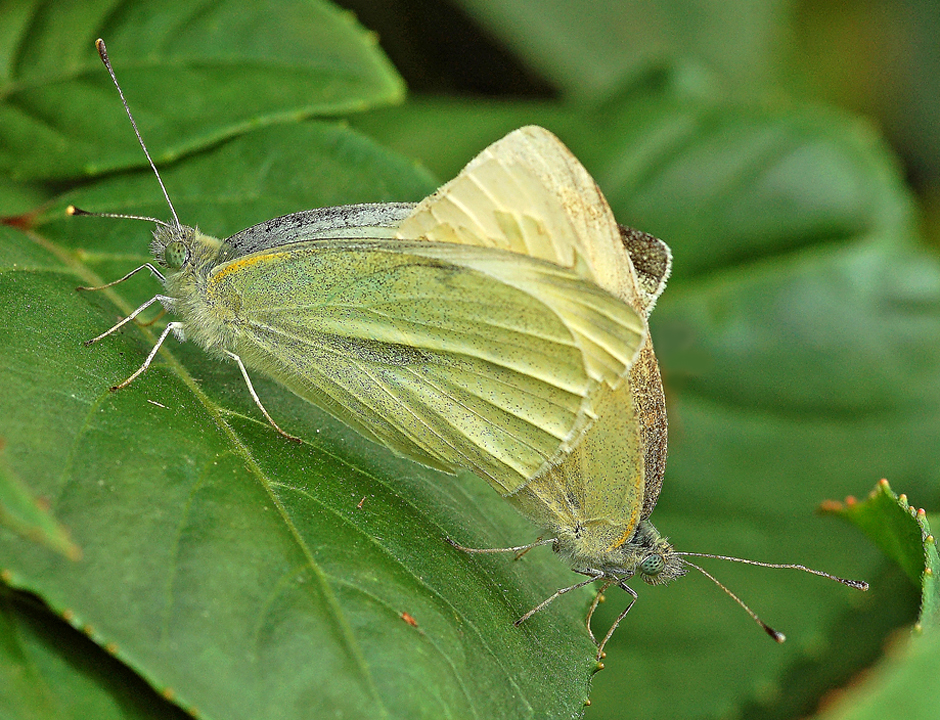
(646, 553)
(189, 256)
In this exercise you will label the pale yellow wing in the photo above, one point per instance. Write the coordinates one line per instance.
(528, 194)
(455, 356)
(598, 487)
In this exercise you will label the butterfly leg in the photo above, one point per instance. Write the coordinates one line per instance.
(516, 549)
(557, 593)
(123, 322)
(146, 266)
(630, 591)
(146, 364)
(597, 599)
(254, 396)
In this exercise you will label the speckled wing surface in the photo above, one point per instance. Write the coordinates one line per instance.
(470, 355)
(613, 474)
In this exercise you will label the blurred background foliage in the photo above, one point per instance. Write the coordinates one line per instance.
(877, 58)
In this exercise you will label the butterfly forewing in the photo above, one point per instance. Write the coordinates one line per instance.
(367, 220)
(445, 355)
(528, 193)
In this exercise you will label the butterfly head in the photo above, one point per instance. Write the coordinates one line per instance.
(652, 557)
(171, 246)
(592, 548)
(181, 248)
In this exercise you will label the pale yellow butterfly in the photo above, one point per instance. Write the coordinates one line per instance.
(595, 503)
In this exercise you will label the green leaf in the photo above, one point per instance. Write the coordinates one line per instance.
(49, 670)
(903, 534)
(23, 514)
(193, 75)
(243, 574)
(18, 197)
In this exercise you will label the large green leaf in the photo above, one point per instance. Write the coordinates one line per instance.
(193, 73)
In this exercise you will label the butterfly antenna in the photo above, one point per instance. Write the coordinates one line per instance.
(72, 210)
(103, 53)
(778, 636)
(857, 584)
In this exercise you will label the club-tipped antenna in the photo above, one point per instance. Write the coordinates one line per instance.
(72, 210)
(103, 53)
(776, 635)
(857, 584)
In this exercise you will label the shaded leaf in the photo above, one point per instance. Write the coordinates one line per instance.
(903, 534)
(193, 75)
(23, 514)
(49, 670)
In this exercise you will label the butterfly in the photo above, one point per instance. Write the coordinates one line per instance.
(499, 326)
(594, 504)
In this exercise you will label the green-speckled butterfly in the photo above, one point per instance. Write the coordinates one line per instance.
(595, 504)
(451, 354)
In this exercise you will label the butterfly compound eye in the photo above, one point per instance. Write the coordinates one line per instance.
(652, 564)
(175, 254)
